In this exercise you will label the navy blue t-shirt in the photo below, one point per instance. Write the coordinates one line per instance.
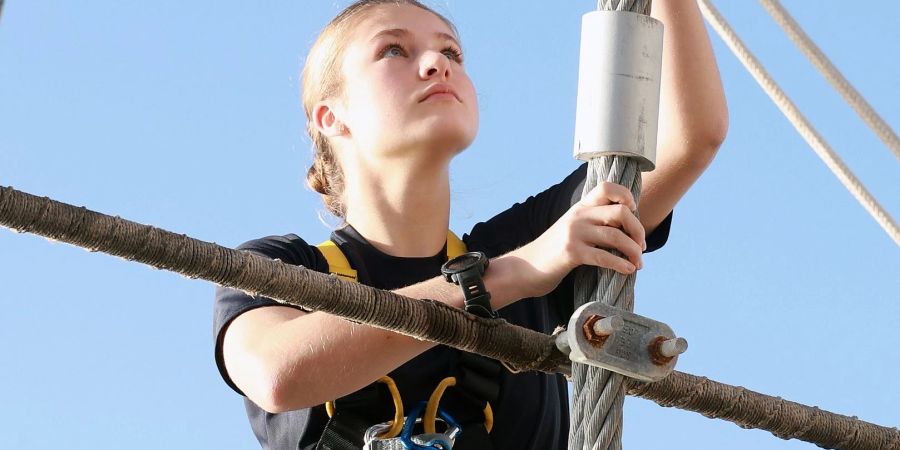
(532, 409)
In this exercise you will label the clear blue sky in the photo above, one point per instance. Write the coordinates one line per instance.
(186, 115)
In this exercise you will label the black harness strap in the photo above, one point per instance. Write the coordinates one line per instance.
(476, 386)
(353, 415)
(343, 432)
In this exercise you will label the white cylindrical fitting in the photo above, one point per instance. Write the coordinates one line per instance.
(618, 86)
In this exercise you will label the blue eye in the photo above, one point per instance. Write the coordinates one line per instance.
(392, 50)
(453, 54)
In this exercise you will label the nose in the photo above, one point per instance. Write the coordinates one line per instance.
(433, 64)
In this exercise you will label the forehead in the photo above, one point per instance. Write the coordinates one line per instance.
(400, 20)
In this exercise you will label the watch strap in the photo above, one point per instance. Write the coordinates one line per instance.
(477, 298)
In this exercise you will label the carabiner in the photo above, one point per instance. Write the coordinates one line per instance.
(430, 441)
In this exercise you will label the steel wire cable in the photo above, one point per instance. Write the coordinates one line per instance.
(599, 395)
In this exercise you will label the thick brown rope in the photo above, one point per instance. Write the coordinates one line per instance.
(520, 348)
(749, 409)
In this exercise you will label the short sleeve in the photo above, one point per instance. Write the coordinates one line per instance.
(523, 222)
(230, 303)
(658, 237)
(526, 221)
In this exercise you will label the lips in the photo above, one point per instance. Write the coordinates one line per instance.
(437, 89)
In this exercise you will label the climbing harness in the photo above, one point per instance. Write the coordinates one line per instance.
(431, 408)
(394, 426)
(427, 440)
(476, 384)
(339, 266)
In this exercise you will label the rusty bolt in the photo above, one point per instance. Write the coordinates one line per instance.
(663, 350)
(597, 329)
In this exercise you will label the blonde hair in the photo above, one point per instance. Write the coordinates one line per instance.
(322, 80)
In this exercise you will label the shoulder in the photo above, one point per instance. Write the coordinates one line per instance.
(231, 303)
(289, 248)
(524, 221)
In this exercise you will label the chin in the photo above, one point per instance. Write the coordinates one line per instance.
(452, 135)
(451, 143)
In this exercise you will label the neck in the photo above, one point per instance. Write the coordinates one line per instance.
(402, 210)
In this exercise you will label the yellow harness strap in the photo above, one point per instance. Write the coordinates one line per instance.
(337, 262)
(397, 423)
(339, 265)
(431, 408)
(455, 246)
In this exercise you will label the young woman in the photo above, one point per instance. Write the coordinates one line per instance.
(389, 105)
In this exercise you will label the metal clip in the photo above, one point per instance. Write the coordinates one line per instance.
(408, 441)
(621, 341)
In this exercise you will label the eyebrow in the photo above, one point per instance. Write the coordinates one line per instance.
(401, 32)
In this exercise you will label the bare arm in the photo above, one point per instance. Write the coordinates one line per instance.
(693, 116)
(284, 359)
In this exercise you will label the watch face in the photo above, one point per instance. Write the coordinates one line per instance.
(461, 262)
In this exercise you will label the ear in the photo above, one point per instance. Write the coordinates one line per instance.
(326, 120)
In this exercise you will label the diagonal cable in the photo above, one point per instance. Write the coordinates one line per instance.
(833, 75)
(803, 126)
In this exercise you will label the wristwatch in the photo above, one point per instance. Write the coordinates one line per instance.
(466, 270)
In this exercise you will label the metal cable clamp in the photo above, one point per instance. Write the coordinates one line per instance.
(621, 341)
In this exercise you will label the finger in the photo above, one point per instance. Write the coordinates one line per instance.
(614, 239)
(618, 216)
(608, 238)
(606, 193)
(632, 226)
(602, 258)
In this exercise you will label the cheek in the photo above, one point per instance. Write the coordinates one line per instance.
(382, 97)
(471, 98)
(469, 94)
(370, 108)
